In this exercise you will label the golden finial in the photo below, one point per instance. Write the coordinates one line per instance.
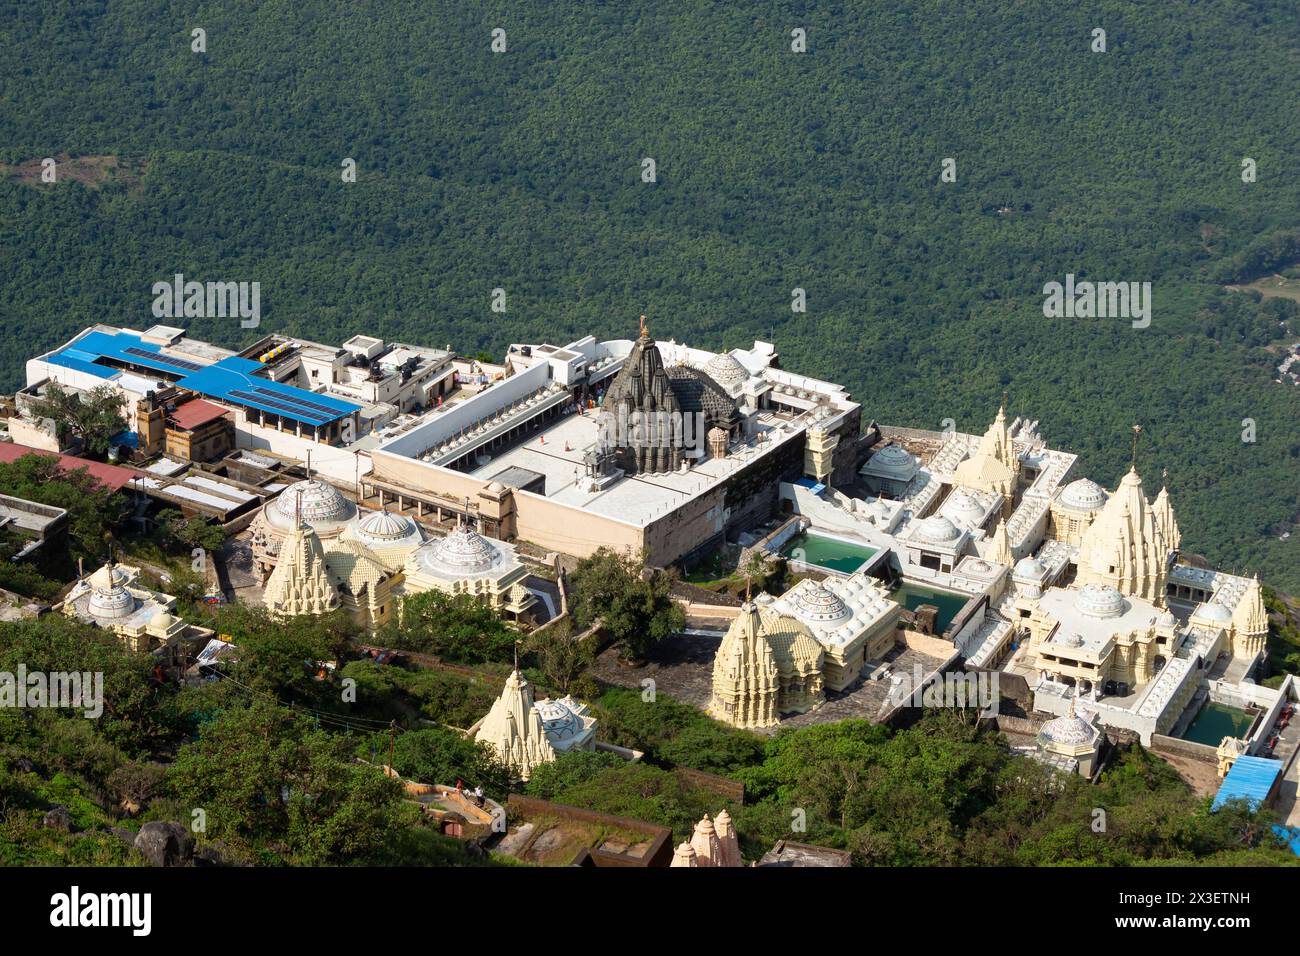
(644, 333)
(1137, 430)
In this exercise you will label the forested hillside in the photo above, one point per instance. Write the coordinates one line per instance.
(775, 170)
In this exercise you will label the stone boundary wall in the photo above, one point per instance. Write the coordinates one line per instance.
(1185, 748)
(723, 786)
(1017, 725)
(892, 431)
(709, 611)
(686, 593)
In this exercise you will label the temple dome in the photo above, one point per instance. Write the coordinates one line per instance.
(937, 530)
(108, 577)
(879, 509)
(817, 603)
(161, 621)
(895, 460)
(724, 369)
(109, 597)
(1100, 600)
(318, 502)
(385, 529)
(963, 506)
(1069, 734)
(463, 552)
(1214, 611)
(1029, 568)
(1083, 495)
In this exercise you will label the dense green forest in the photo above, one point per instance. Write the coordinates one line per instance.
(820, 170)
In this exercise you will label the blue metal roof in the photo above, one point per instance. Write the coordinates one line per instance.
(233, 379)
(1250, 779)
(1291, 835)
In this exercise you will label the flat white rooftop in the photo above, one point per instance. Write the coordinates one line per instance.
(639, 499)
(1095, 632)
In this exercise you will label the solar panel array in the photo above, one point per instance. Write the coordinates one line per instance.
(182, 364)
(329, 410)
(280, 402)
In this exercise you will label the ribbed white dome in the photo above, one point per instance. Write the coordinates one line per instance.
(724, 369)
(893, 460)
(384, 529)
(938, 530)
(463, 552)
(111, 603)
(963, 506)
(817, 603)
(318, 502)
(1083, 495)
(1100, 600)
(1071, 730)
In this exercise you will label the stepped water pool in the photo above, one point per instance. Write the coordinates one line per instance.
(833, 554)
(912, 596)
(1216, 721)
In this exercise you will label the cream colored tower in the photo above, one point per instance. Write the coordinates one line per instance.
(1125, 546)
(684, 855)
(514, 728)
(708, 851)
(728, 841)
(1000, 546)
(1250, 622)
(1165, 520)
(994, 466)
(745, 677)
(819, 452)
(301, 582)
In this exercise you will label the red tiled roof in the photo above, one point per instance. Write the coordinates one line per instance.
(111, 477)
(196, 412)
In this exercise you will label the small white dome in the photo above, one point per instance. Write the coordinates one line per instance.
(1100, 600)
(463, 552)
(385, 527)
(1083, 495)
(937, 530)
(1030, 569)
(1214, 611)
(818, 603)
(724, 369)
(1069, 731)
(892, 461)
(964, 507)
(318, 502)
(161, 621)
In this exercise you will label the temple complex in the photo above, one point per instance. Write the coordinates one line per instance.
(145, 620)
(527, 733)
